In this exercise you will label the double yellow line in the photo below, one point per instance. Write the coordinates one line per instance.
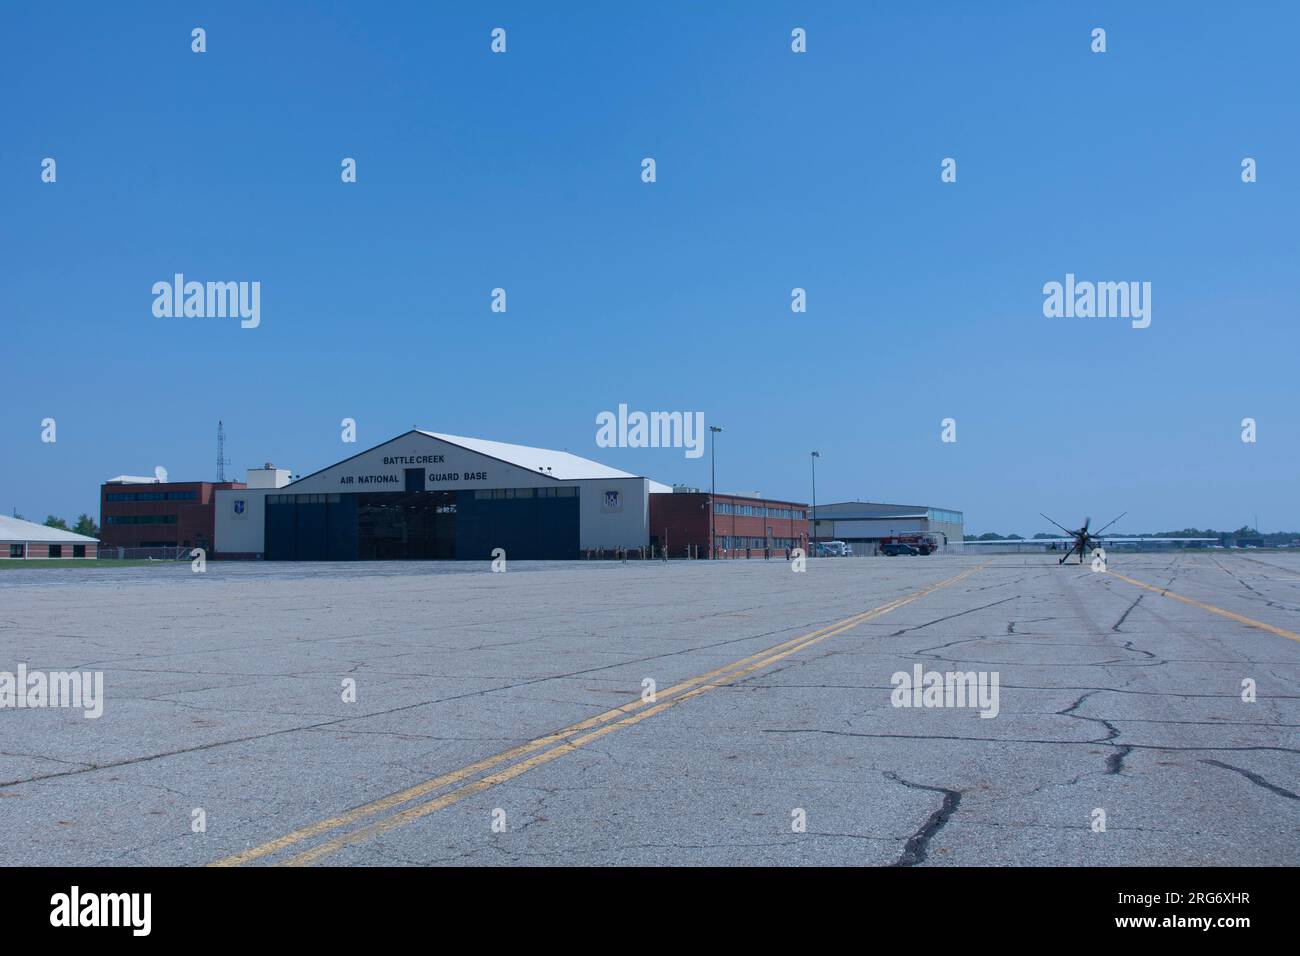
(560, 742)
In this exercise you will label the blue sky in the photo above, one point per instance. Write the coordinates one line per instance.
(775, 170)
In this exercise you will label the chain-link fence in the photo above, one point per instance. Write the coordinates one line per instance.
(166, 553)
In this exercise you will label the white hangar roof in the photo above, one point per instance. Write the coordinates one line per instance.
(554, 464)
(19, 531)
(543, 462)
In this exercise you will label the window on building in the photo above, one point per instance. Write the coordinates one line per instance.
(15, 550)
(56, 551)
(78, 550)
(151, 496)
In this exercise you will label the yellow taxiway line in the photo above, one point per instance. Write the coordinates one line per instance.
(564, 742)
(1239, 618)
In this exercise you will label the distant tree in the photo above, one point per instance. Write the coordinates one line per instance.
(52, 522)
(86, 525)
(1271, 538)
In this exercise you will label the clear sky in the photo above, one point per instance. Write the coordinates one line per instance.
(775, 170)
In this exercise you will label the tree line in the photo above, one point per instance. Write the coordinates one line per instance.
(1271, 539)
(85, 524)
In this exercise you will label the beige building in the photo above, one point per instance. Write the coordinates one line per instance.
(21, 539)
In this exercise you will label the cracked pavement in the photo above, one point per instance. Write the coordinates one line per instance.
(224, 692)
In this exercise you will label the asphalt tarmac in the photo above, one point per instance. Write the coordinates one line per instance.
(730, 713)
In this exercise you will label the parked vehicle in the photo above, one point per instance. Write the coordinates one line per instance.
(833, 549)
(894, 549)
(920, 543)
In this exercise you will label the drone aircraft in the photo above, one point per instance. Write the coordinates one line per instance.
(1083, 539)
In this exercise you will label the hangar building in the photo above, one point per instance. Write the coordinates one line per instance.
(862, 524)
(424, 495)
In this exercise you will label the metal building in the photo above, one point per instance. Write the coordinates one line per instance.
(424, 495)
(864, 524)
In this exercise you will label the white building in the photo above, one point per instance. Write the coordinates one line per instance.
(425, 495)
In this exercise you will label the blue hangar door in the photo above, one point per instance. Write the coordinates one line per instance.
(310, 528)
(530, 524)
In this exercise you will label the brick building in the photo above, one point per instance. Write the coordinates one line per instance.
(147, 513)
(26, 539)
(743, 525)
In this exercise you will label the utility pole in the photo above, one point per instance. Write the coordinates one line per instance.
(812, 531)
(713, 488)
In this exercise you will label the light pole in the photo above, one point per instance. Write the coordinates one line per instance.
(812, 531)
(713, 488)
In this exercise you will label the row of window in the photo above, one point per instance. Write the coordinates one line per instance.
(316, 499)
(736, 543)
(140, 519)
(56, 550)
(151, 496)
(485, 494)
(480, 494)
(950, 517)
(757, 511)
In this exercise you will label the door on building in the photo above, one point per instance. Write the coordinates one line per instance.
(406, 527)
